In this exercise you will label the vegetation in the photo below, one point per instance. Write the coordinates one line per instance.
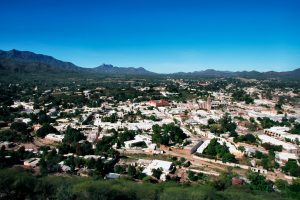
(296, 129)
(292, 168)
(272, 147)
(18, 184)
(268, 123)
(224, 125)
(56, 96)
(157, 173)
(193, 176)
(241, 95)
(8, 158)
(219, 151)
(112, 118)
(259, 182)
(248, 138)
(73, 135)
(168, 134)
(14, 136)
(45, 130)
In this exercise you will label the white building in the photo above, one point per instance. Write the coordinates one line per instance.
(283, 157)
(54, 137)
(32, 162)
(277, 131)
(282, 132)
(138, 138)
(232, 149)
(287, 146)
(165, 166)
(112, 176)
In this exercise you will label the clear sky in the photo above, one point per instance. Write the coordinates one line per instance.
(160, 35)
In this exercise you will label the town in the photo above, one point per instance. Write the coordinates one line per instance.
(156, 130)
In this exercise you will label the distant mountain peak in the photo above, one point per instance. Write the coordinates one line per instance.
(110, 69)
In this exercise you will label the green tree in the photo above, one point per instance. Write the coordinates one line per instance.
(157, 173)
(259, 182)
(45, 130)
(19, 126)
(131, 171)
(292, 168)
(73, 135)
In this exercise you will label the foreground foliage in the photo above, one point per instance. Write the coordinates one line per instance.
(18, 184)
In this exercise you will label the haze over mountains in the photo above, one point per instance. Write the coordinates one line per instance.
(16, 62)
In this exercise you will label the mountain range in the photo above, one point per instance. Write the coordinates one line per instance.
(16, 62)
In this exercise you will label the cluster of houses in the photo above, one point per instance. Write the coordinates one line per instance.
(189, 115)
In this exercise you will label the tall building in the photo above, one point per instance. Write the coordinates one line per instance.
(205, 105)
(208, 103)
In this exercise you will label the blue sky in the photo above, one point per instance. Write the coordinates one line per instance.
(162, 36)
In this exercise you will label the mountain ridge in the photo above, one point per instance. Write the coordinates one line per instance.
(15, 61)
(29, 62)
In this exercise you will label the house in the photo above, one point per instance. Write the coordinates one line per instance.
(205, 105)
(237, 181)
(203, 146)
(64, 168)
(193, 146)
(112, 176)
(6, 144)
(287, 146)
(282, 132)
(138, 139)
(24, 120)
(249, 151)
(283, 157)
(231, 147)
(259, 170)
(54, 137)
(165, 166)
(276, 131)
(32, 162)
(159, 103)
